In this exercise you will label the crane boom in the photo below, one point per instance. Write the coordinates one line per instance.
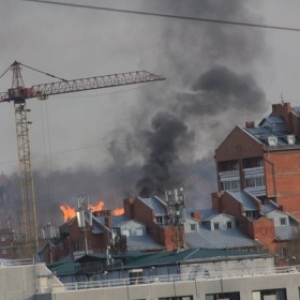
(18, 94)
(42, 91)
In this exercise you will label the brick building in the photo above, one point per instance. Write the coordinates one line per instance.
(6, 243)
(258, 171)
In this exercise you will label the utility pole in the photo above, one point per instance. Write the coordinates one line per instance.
(84, 216)
(175, 204)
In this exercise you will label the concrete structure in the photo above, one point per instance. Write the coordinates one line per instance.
(35, 282)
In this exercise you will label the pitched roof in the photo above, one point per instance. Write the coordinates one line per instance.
(143, 243)
(262, 134)
(245, 199)
(218, 239)
(156, 204)
(184, 256)
(285, 233)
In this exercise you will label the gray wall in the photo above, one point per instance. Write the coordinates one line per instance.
(198, 289)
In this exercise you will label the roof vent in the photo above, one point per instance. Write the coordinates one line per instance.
(250, 124)
(291, 139)
(272, 140)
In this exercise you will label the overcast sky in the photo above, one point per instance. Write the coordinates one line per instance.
(89, 128)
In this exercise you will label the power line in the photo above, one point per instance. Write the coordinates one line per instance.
(245, 24)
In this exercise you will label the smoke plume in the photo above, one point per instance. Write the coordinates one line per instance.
(176, 125)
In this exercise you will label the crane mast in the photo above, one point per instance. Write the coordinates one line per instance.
(18, 94)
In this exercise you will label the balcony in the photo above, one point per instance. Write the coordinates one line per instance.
(255, 181)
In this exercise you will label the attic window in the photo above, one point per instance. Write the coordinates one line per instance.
(229, 224)
(139, 232)
(216, 226)
(283, 221)
(290, 139)
(126, 232)
(193, 227)
(272, 141)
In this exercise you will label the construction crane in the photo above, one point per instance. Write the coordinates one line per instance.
(18, 94)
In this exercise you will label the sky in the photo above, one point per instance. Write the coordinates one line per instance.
(141, 139)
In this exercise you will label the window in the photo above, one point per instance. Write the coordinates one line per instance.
(232, 295)
(177, 298)
(139, 232)
(216, 226)
(126, 232)
(229, 224)
(3, 238)
(283, 221)
(254, 182)
(250, 214)
(193, 227)
(230, 185)
(3, 251)
(159, 220)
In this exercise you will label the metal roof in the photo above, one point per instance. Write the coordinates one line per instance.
(296, 110)
(218, 239)
(268, 207)
(285, 233)
(245, 199)
(143, 243)
(273, 120)
(184, 256)
(156, 204)
(262, 134)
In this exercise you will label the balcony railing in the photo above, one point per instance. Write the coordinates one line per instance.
(159, 279)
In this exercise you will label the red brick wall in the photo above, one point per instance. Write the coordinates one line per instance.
(165, 235)
(128, 208)
(231, 206)
(172, 237)
(216, 200)
(284, 111)
(238, 145)
(7, 244)
(283, 178)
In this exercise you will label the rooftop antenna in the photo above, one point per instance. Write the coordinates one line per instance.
(281, 97)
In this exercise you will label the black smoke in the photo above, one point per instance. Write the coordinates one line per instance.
(212, 84)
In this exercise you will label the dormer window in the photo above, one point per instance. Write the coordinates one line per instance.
(283, 221)
(193, 227)
(272, 141)
(291, 139)
(126, 232)
(250, 214)
(229, 224)
(216, 225)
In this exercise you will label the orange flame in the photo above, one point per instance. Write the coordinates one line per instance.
(70, 212)
(118, 211)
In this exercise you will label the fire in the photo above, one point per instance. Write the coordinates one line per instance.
(118, 212)
(70, 212)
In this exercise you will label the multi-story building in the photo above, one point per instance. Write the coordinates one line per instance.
(258, 171)
(6, 243)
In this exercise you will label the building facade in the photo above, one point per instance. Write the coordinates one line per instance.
(258, 171)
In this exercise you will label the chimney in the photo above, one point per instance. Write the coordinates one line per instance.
(287, 107)
(216, 199)
(102, 213)
(196, 215)
(108, 222)
(129, 208)
(249, 124)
